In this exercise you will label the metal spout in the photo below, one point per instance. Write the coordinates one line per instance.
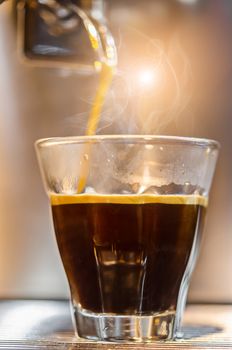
(72, 33)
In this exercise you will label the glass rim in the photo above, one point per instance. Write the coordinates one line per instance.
(123, 138)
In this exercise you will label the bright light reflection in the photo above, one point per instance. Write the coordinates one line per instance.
(22, 319)
(189, 2)
(148, 77)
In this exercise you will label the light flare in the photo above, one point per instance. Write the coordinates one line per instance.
(148, 77)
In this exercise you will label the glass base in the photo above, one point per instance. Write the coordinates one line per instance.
(110, 327)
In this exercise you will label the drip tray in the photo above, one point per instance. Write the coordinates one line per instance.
(45, 324)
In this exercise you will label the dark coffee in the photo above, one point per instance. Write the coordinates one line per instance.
(126, 254)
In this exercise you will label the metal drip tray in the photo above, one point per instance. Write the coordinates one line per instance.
(45, 324)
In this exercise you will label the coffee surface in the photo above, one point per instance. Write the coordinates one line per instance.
(126, 254)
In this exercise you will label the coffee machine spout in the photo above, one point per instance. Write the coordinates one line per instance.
(71, 33)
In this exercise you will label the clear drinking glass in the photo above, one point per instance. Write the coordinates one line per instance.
(128, 213)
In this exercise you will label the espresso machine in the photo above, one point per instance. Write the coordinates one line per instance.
(48, 78)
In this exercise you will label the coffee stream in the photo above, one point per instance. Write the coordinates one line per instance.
(103, 47)
(105, 79)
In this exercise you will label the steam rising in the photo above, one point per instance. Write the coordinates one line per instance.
(148, 93)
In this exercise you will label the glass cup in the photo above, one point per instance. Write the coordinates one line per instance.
(128, 213)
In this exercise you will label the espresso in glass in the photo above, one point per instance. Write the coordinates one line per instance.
(128, 212)
(126, 254)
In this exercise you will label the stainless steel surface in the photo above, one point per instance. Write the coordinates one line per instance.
(47, 325)
(40, 102)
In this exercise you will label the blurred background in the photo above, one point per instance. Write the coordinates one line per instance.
(174, 76)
